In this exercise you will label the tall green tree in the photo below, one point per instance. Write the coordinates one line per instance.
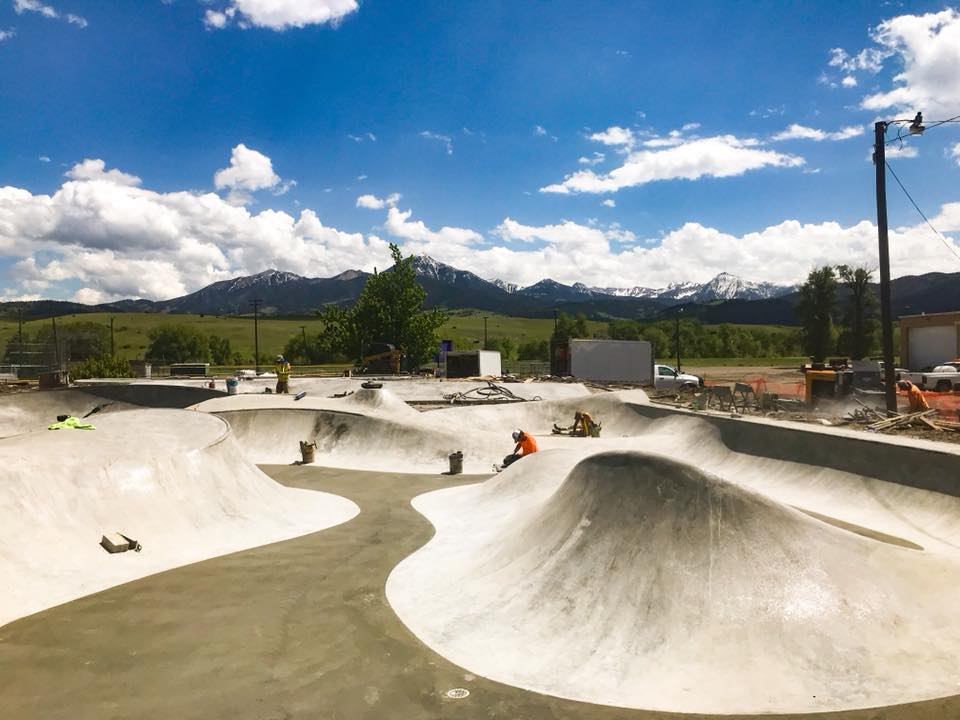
(860, 318)
(178, 343)
(389, 310)
(817, 306)
(570, 327)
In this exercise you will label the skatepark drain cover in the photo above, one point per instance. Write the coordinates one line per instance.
(457, 693)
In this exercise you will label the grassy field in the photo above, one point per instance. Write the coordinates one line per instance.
(131, 332)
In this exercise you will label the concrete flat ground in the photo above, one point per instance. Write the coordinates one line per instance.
(297, 629)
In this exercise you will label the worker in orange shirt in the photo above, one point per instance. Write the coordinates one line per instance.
(526, 445)
(914, 395)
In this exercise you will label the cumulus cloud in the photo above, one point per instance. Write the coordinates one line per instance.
(849, 81)
(7, 34)
(672, 157)
(279, 14)
(43, 158)
(611, 257)
(418, 238)
(446, 140)
(955, 153)
(95, 169)
(372, 202)
(249, 171)
(595, 159)
(47, 11)
(801, 132)
(609, 202)
(925, 49)
(117, 239)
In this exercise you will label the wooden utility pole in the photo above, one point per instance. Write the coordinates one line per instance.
(306, 353)
(886, 319)
(256, 332)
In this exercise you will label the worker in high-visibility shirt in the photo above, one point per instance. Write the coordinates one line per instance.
(914, 396)
(526, 445)
(282, 369)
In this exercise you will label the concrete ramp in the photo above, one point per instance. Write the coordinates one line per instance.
(638, 581)
(174, 480)
(35, 410)
(371, 441)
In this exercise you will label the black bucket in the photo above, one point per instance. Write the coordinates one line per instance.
(456, 462)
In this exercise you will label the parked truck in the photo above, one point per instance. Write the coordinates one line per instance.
(604, 360)
(943, 378)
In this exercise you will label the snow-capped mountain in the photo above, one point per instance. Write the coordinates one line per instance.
(505, 286)
(723, 287)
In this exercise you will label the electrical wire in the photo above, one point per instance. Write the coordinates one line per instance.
(900, 123)
(916, 207)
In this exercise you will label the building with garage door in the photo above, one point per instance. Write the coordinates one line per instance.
(929, 340)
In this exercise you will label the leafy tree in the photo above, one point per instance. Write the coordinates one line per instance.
(623, 330)
(818, 302)
(506, 346)
(220, 352)
(860, 318)
(389, 310)
(177, 343)
(103, 366)
(534, 350)
(569, 327)
(312, 352)
(78, 341)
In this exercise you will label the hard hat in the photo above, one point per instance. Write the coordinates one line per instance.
(279, 358)
(516, 435)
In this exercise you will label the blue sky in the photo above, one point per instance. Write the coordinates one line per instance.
(148, 148)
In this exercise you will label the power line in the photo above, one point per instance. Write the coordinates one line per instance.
(900, 123)
(916, 207)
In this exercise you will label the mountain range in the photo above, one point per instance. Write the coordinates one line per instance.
(725, 298)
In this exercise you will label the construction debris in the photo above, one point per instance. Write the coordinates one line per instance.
(491, 392)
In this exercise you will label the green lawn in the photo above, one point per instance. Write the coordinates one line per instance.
(131, 332)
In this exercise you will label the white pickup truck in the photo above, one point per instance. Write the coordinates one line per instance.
(667, 378)
(943, 378)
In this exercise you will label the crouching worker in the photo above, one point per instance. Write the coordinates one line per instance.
(526, 445)
(282, 368)
(914, 395)
(583, 426)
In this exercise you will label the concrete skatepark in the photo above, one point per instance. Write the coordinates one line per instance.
(682, 563)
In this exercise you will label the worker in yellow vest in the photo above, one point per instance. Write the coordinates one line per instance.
(282, 369)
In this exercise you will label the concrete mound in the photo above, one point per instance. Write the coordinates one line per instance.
(174, 480)
(642, 582)
(361, 441)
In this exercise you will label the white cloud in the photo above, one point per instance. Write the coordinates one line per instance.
(615, 136)
(849, 81)
(362, 137)
(280, 14)
(119, 240)
(249, 171)
(47, 11)
(926, 49)
(801, 132)
(43, 158)
(372, 202)
(595, 159)
(688, 159)
(539, 130)
(896, 151)
(609, 202)
(445, 139)
(869, 60)
(421, 239)
(216, 20)
(96, 170)
(955, 153)
(7, 34)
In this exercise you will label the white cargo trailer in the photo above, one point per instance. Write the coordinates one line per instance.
(612, 360)
(473, 363)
